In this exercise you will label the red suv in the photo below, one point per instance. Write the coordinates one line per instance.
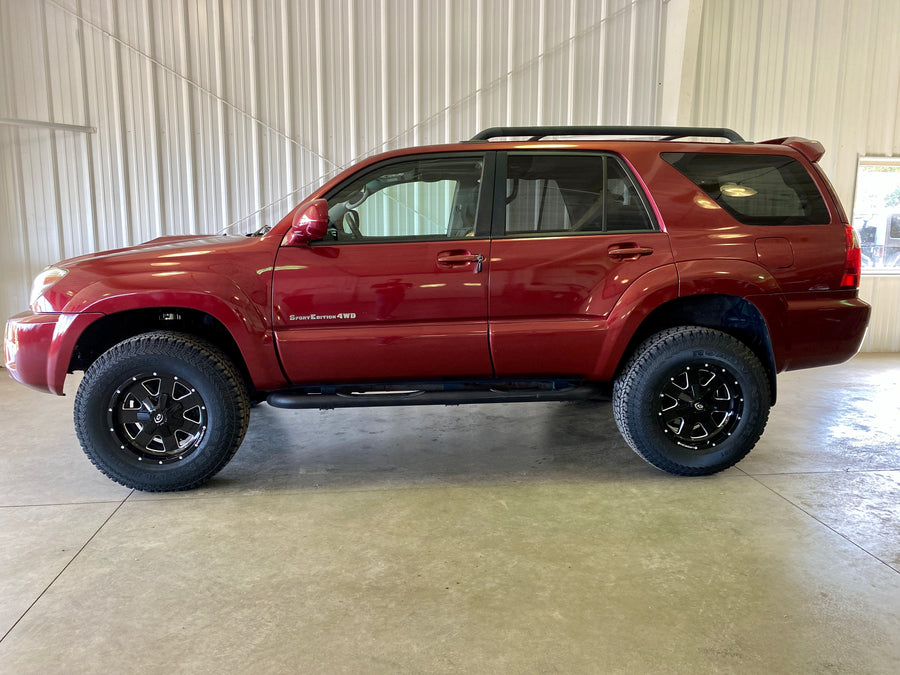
(676, 276)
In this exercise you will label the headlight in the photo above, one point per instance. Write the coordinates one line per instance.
(43, 282)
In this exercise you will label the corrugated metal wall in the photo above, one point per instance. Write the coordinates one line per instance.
(217, 113)
(883, 293)
(825, 69)
(210, 113)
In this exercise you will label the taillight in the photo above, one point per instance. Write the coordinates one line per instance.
(853, 263)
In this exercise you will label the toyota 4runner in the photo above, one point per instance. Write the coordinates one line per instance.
(676, 275)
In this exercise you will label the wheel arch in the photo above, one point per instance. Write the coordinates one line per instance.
(731, 314)
(112, 329)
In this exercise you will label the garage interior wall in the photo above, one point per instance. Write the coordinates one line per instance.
(121, 122)
(825, 69)
(217, 113)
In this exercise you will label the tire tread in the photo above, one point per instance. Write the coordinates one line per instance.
(624, 397)
(179, 345)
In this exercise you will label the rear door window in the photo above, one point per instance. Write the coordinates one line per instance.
(555, 195)
(755, 189)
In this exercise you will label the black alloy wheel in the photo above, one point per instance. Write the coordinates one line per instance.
(158, 417)
(699, 405)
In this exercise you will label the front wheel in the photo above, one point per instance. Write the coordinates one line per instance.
(692, 401)
(161, 411)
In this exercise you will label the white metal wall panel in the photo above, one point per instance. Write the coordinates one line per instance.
(825, 69)
(15, 259)
(883, 293)
(210, 113)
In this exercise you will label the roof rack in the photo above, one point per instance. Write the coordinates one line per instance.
(668, 133)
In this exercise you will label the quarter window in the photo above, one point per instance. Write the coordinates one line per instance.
(755, 189)
(571, 194)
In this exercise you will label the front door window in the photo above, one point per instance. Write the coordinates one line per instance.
(409, 201)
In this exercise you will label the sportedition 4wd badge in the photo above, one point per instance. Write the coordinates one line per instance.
(323, 317)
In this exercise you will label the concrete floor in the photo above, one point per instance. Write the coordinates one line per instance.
(521, 538)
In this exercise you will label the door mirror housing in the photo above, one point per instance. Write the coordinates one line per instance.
(310, 223)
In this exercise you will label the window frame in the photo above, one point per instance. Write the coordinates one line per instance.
(498, 225)
(874, 270)
(482, 212)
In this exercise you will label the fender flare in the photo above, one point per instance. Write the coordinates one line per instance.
(210, 293)
(735, 278)
(725, 277)
(645, 294)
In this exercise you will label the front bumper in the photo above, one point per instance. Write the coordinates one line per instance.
(38, 347)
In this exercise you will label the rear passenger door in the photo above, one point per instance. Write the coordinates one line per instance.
(571, 232)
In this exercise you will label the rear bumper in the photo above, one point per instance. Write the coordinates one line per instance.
(811, 329)
(38, 347)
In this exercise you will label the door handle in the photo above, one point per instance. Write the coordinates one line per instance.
(450, 259)
(629, 252)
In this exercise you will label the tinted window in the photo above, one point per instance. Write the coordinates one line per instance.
(427, 198)
(755, 189)
(571, 194)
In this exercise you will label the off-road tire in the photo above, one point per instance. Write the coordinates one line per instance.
(161, 411)
(692, 401)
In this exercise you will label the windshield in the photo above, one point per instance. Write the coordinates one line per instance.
(261, 220)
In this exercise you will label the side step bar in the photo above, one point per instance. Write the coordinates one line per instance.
(365, 399)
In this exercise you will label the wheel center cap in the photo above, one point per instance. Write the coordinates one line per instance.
(159, 418)
(699, 406)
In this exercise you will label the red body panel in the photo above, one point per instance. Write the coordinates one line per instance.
(792, 274)
(801, 323)
(551, 298)
(648, 293)
(227, 278)
(39, 346)
(382, 311)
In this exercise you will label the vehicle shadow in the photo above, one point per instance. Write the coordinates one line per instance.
(371, 448)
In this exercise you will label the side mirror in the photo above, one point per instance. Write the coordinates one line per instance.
(310, 223)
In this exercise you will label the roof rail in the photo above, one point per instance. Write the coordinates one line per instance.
(669, 133)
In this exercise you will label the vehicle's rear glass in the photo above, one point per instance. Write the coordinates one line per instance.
(755, 189)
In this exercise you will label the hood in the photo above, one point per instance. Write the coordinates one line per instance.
(159, 247)
(187, 264)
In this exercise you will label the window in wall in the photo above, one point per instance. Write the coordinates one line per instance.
(876, 212)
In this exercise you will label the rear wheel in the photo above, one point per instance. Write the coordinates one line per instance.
(161, 411)
(692, 401)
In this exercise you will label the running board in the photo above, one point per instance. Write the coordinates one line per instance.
(366, 399)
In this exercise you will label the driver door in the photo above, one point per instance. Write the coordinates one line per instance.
(398, 289)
